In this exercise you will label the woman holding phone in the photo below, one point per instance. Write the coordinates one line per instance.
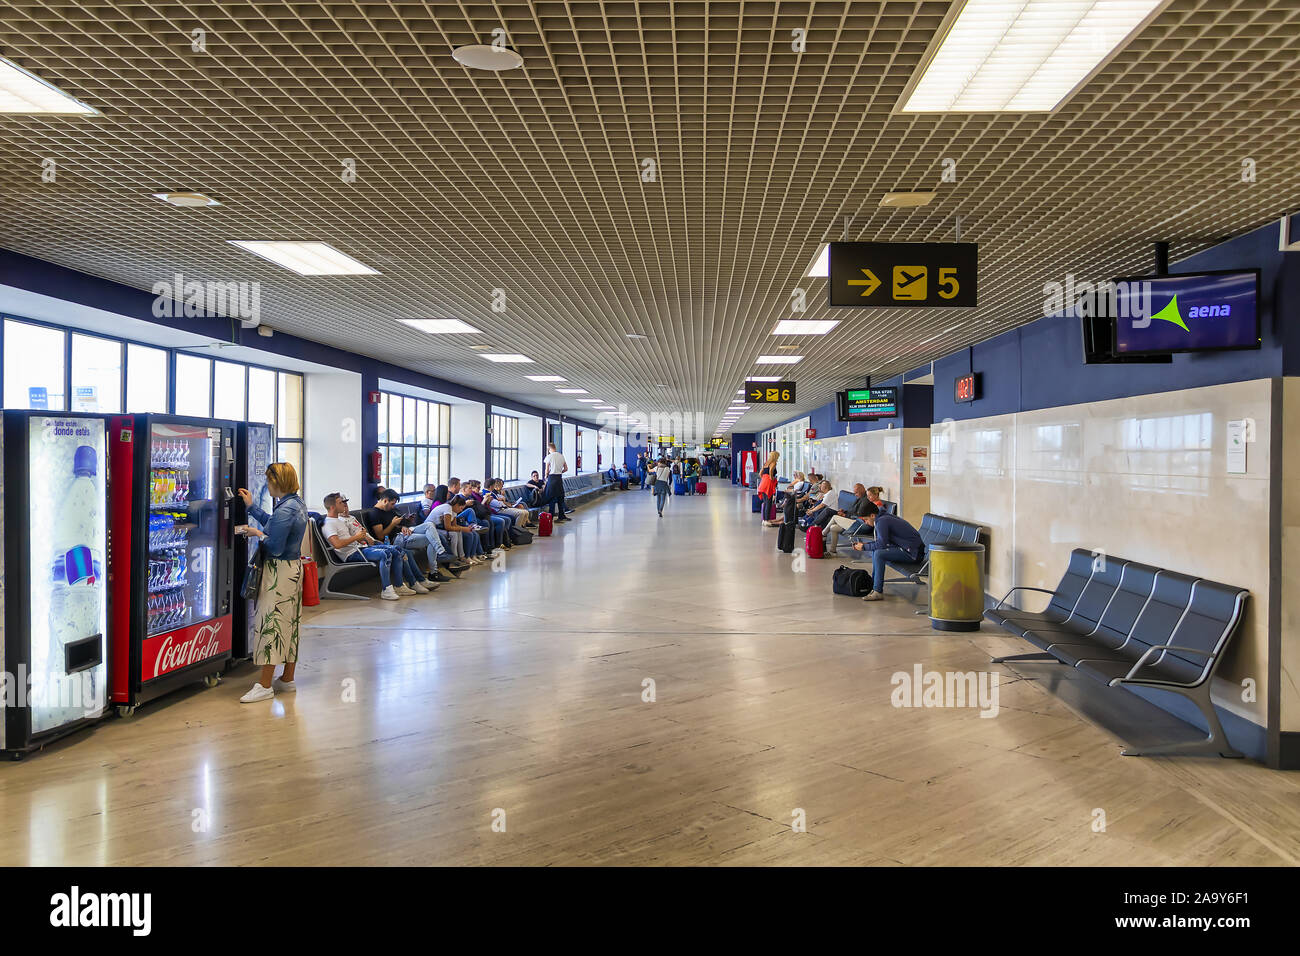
(279, 598)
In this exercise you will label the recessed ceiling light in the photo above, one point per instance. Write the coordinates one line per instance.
(1022, 55)
(479, 348)
(603, 408)
(440, 326)
(483, 56)
(187, 200)
(764, 378)
(741, 408)
(591, 401)
(506, 357)
(802, 327)
(778, 359)
(821, 264)
(572, 391)
(635, 335)
(21, 92)
(660, 386)
(907, 200)
(306, 258)
(546, 378)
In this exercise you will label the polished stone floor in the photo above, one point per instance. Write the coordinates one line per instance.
(504, 719)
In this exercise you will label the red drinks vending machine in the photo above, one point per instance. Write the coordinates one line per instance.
(172, 565)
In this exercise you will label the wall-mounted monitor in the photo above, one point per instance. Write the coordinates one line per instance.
(1098, 333)
(1201, 312)
(867, 404)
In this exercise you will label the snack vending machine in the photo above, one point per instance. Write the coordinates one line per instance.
(173, 553)
(254, 450)
(54, 599)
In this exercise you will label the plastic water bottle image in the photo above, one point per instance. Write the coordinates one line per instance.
(77, 574)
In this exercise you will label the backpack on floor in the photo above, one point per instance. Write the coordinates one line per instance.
(855, 582)
(520, 536)
(544, 524)
(701, 488)
(755, 504)
(812, 542)
(785, 538)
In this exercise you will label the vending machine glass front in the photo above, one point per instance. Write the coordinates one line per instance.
(69, 597)
(183, 492)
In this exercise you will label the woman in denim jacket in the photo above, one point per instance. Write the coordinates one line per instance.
(278, 613)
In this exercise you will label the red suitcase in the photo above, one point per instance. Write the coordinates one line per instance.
(812, 542)
(701, 488)
(544, 524)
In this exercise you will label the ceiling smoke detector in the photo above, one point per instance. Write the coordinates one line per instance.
(482, 56)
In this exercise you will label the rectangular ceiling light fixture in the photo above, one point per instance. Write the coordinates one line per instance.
(572, 391)
(506, 357)
(820, 267)
(1022, 56)
(592, 401)
(440, 326)
(804, 327)
(546, 378)
(307, 258)
(21, 92)
(762, 378)
(778, 360)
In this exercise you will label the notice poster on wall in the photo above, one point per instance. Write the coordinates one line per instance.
(920, 451)
(1236, 463)
(920, 473)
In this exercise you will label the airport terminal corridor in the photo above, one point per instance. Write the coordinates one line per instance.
(522, 691)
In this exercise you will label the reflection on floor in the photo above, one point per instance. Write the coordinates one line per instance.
(519, 697)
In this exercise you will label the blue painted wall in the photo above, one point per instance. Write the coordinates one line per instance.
(1040, 365)
(916, 409)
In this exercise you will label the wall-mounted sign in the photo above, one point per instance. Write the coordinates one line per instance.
(810, 433)
(776, 393)
(967, 387)
(907, 274)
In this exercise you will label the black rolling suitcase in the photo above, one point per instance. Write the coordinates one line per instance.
(785, 537)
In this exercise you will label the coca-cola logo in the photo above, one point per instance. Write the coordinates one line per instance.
(202, 644)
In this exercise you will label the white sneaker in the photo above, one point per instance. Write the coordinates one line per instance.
(257, 693)
(388, 594)
(418, 588)
(405, 590)
(284, 686)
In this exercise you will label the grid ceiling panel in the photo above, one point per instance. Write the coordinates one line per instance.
(530, 181)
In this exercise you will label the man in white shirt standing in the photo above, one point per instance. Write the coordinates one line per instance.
(553, 470)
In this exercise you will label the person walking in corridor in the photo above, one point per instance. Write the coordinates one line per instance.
(661, 475)
(553, 470)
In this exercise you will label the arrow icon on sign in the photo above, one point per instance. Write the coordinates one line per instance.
(871, 282)
(755, 395)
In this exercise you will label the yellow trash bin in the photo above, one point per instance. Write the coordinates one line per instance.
(956, 586)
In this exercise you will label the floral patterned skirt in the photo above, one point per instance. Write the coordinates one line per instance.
(279, 613)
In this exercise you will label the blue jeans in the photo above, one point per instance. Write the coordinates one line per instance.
(472, 543)
(424, 537)
(389, 560)
(661, 494)
(498, 525)
(553, 496)
(878, 559)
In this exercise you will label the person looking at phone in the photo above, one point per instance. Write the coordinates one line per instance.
(352, 542)
(278, 609)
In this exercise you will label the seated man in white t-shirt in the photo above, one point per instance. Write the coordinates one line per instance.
(351, 542)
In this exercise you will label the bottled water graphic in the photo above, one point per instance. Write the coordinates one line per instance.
(77, 572)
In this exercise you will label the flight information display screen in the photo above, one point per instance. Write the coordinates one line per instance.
(867, 404)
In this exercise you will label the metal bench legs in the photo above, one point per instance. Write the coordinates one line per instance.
(1215, 745)
(1040, 656)
(328, 592)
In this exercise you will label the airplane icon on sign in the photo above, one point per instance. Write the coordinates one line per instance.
(909, 282)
